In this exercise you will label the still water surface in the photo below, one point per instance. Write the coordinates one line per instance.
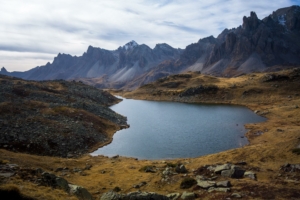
(163, 130)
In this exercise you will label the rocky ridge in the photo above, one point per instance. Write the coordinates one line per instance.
(257, 45)
(57, 118)
(268, 44)
(107, 68)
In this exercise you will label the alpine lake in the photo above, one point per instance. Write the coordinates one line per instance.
(166, 130)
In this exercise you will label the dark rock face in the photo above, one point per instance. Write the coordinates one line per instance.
(256, 45)
(263, 43)
(250, 23)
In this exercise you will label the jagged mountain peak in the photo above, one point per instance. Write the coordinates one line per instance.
(287, 17)
(250, 23)
(130, 45)
(3, 70)
(162, 45)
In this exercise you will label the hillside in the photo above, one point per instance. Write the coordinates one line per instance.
(267, 168)
(55, 118)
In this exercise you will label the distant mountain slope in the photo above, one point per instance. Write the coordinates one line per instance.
(115, 67)
(257, 45)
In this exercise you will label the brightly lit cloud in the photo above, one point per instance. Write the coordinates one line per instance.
(32, 32)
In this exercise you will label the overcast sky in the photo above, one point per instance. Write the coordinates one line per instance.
(33, 32)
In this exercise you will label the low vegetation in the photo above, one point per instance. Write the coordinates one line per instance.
(271, 160)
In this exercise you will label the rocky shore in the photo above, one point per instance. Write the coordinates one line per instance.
(56, 118)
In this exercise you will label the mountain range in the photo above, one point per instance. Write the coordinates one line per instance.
(269, 44)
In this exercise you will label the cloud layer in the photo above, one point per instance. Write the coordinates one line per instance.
(32, 32)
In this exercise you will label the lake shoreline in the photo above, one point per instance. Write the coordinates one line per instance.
(195, 129)
(272, 144)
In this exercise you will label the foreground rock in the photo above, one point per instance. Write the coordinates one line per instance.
(80, 192)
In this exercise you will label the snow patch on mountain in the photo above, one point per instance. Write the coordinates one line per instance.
(130, 45)
(281, 20)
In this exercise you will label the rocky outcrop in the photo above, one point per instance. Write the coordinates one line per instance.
(80, 192)
(257, 45)
(56, 118)
(43, 178)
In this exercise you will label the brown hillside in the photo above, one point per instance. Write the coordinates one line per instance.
(273, 144)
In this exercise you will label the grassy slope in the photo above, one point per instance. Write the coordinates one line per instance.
(275, 100)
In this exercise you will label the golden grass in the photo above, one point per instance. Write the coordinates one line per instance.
(266, 152)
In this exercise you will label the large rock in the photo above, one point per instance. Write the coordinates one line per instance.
(206, 184)
(250, 174)
(167, 172)
(80, 192)
(111, 196)
(62, 183)
(223, 184)
(220, 168)
(173, 196)
(180, 169)
(233, 173)
(188, 196)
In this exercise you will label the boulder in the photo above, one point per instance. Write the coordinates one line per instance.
(206, 184)
(7, 174)
(49, 179)
(236, 195)
(250, 174)
(80, 192)
(220, 168)
(144, 196)
(62, 183)
(233, 173)
(223, 184)
(188, 196)
(173, 196)
(167, 172)
(111, 196)
(150, 170)
(180, 169)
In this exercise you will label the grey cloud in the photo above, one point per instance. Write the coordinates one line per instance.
(15, 48)
(70, 26)
(182, 27)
